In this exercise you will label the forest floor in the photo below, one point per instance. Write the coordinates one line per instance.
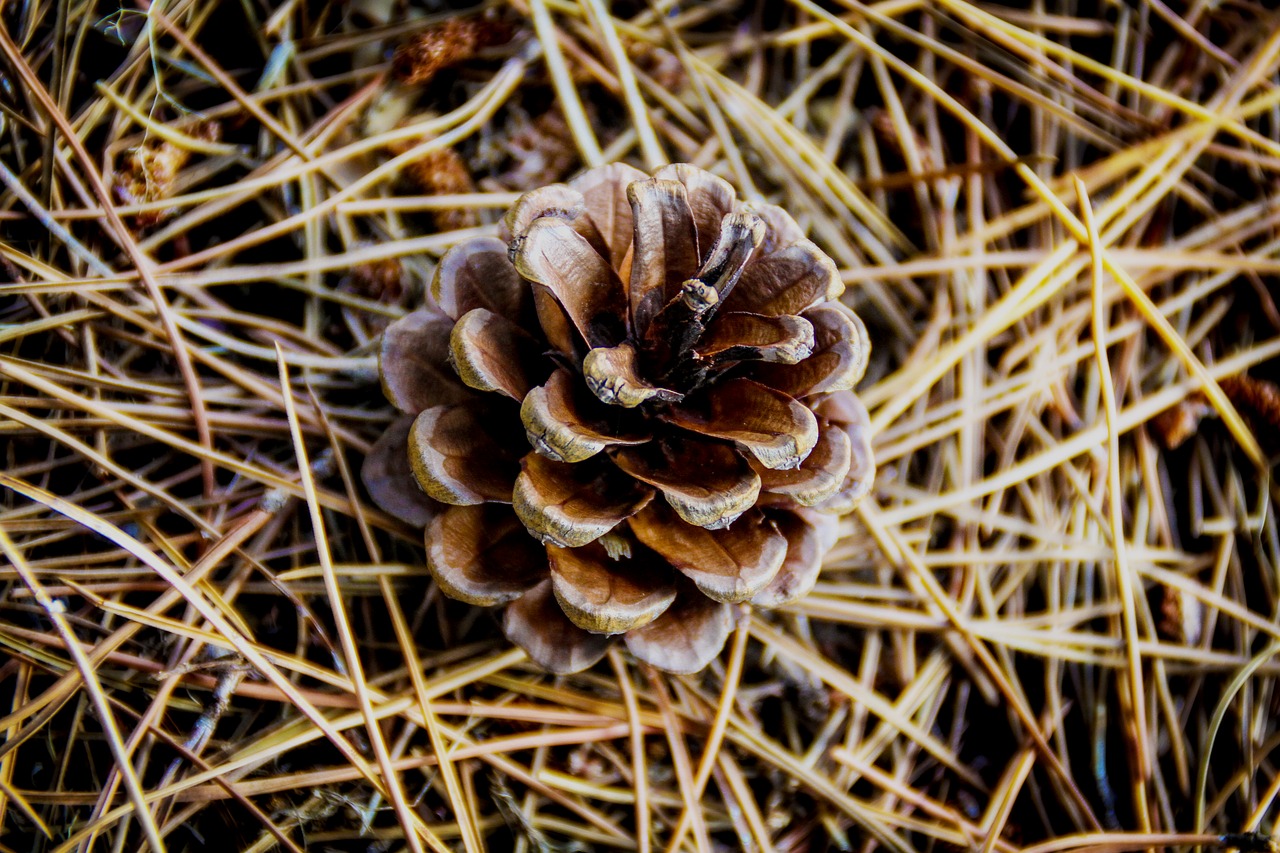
(1051, 626)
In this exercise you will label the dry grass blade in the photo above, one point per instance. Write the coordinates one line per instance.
(680, 759)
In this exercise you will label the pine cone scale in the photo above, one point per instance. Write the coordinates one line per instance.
(482, 555)
(557, 257)
(809, 536)
(413, 363)
(492, 353)
(708, 484)
(607, 596)
(846, 411)
(614, 375)
(536, 622)
(608, 210)
(739, 336)
(391, 483)
(819, 476)
(458, 458)
(777, 429)
(837, 362)
(686, 636)
(740, 234)
(478, 274)
(553, 200)
(710, 199)
(786, 282)
(665, 247)
(728, 565)
(572, 505)
(558, 425)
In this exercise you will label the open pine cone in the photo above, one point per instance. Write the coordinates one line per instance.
(630, 413)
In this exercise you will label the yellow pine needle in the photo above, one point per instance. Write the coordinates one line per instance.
(124, 761)
(644, 841)
(414, 829)
(1124, 573)
(604, 23)
(733, 672)
(566, 93)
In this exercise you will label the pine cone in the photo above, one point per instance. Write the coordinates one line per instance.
(654, 381)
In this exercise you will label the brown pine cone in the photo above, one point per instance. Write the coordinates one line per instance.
(630, 413)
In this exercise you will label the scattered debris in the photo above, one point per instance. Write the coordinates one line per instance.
(448, 43)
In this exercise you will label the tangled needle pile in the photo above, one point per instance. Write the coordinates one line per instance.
(627, 337)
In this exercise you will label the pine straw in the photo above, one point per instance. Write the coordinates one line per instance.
(1045, 631)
